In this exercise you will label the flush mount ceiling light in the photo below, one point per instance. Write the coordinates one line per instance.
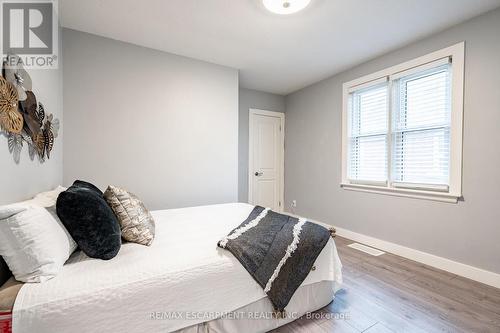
(284, 7)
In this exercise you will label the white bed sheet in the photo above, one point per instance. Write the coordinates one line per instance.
(181, 280)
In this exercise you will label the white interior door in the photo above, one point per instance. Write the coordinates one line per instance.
(266, 148)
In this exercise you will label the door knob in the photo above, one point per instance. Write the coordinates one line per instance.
(258, 174)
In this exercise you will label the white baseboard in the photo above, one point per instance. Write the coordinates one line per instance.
(470, 272)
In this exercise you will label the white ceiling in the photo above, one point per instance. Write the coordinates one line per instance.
(278, 54)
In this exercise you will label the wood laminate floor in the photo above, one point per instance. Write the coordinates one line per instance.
(392, 294)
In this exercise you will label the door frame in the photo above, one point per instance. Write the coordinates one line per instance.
(258, 112)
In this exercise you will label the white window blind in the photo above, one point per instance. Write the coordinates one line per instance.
(421, 128)
(368, 134)
(402, 128)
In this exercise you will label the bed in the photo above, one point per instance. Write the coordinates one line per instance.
(183, 282)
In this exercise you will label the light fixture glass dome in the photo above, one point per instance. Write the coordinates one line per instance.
(284, 7)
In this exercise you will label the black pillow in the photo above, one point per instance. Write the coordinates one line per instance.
(5, 273)
(89, 220)
(81, 183)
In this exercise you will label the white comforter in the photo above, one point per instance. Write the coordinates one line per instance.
(182, 275)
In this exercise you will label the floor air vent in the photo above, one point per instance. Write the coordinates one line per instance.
(366, 249)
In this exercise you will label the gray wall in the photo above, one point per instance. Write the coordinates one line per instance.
(252, 99)
(466, 232)
(24, 180)
(162, 126)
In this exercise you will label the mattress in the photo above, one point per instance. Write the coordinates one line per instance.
(253, 318)
(182, 279)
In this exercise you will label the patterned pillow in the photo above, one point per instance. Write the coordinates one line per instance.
(135, 220)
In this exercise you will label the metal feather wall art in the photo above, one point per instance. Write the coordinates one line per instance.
(23, 120)
(11, 119)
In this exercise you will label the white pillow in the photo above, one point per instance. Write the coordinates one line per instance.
(46, 199)
(8, 211)
(34, 243)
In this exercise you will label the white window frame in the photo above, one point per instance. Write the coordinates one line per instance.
(452, 193)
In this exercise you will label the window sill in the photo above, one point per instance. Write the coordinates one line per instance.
(403, 192)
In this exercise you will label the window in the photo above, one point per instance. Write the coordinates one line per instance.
(402, 128)
(368, 134)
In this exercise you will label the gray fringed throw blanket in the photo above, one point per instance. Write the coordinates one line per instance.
(277, 250)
